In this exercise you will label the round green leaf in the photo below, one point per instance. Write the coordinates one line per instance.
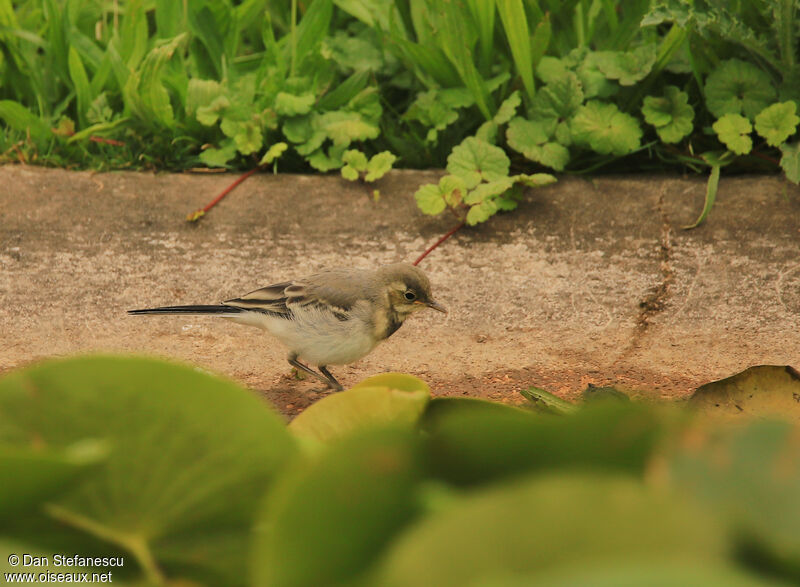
(546, 523)
(627, 67)
(790, 161)
(290, 105)
(738, 87)
(475, 160)
(327, 521)
(734, 131)
(777, 123)
(191, 456)
(605, 129)
(671, 115)
(393, 398)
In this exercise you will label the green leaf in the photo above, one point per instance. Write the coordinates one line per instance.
(777, 123)
(605, 129)
(432, 111)
(481, 212)
(738, 87)
(551, 69)
(558, 99)
(28, 476)
(209, 114)
(345, 127)
(515, 25)
(734, 131)
(249, 137)
(475, 160)
(391, 398)
(488, 190)
(290, 105)
(191, 457)
(790, 161)
(353, 53)
(671, 115)
(355, 162)
(219, 157)
(379, 165)
(711, 195)
(628, 67)
(273, 153)
(18, 117)
(531, 139)
(341, 511)
(321, 161)
(80, 82)
(508, 108)
(432, 199)
(543, 524)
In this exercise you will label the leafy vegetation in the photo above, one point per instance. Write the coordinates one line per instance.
(359, 86)
(192, 479)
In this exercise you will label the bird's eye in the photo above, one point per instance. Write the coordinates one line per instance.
(410, 296)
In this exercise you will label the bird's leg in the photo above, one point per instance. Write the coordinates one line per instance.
(327, 379)
(335, 385)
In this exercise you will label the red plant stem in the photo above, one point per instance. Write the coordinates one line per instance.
(106, 141)
(449, 233)
(195, 216)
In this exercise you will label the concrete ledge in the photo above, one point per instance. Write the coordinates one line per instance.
(589, 281)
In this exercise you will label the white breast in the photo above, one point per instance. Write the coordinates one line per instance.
(317, 336)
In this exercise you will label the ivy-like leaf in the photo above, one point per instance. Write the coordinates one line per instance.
(432, 112)
(508, 108)
(551, 69)
(273, 153)
(379, 165)
(605, 129)
(628, 67)
(433, 199)
(290, 105)
(346, 127)
(555, 103)
(777, 123)
(208, 115)
(219, 157)
(738, 87)
(790, 161)
(593, 81)
(481, 212)
(734, 131)
(248, 137)
(531, 139)
(355, 162)
(671, 114)
(475, 160)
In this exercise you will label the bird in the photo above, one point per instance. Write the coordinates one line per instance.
(333, 317)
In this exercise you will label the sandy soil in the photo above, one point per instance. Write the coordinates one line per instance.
(588, 282)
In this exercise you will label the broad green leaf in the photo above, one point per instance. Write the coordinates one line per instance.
(474, 448)
(219, 157)
(355, 162)
(191, 457)
(326, 522)
(379, 165)
(594, 82)
(488, 190)
(434, 198)
(531, 139)
(273, 153)
(558, 100)
(543, 524)
(605, 129)
(738, 87)
(211, 113)
(551, 69)
(627, 67)
(734, 131)
(248, 137)
(30, 475)
(777, 123)
(534, 180)
(432, 111)
(671, 114)
(761, 391)
(389, 399)
(790, 161)
(749, 475)
(475, 160)
(353, 53)
(322, 161)
(290, 105)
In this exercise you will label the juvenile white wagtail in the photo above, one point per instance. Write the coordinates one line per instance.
(333, 317)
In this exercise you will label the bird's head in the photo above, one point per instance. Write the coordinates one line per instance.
(408, 289)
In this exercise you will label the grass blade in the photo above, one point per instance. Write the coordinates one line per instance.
(80, 82)
(20, 118)
(711, 195)
(515, 25)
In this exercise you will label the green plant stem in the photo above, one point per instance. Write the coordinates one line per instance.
(135, 544)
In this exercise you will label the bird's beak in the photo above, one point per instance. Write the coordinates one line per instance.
(435, 306)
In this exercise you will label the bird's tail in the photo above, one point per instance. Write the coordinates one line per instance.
(219, 310)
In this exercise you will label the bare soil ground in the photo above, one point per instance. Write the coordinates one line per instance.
(588, 282)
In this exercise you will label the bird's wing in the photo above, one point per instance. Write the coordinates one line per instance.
(272, 299)
(316, 291)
